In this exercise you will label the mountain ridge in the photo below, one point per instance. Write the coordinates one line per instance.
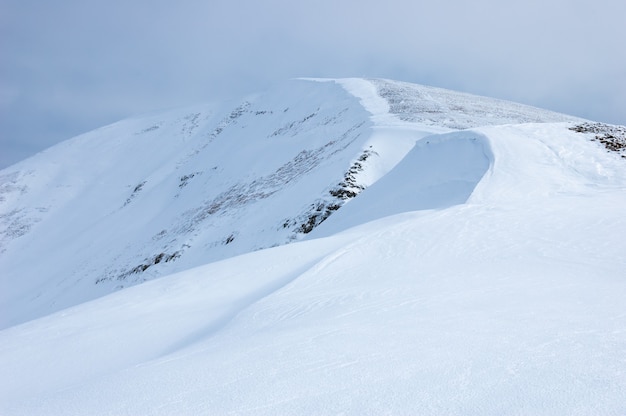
(177, 160)
(479, 268)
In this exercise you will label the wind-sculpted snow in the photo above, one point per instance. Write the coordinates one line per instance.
(157, 194)
(501, 296)
(441, 171)
(438, 272)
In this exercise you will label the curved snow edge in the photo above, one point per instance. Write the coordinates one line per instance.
(439, 172)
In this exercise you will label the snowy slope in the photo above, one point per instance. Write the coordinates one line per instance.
(498, 291)
(150, 196)
(154, 195)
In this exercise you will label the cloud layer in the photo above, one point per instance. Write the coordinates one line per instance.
(71, 66)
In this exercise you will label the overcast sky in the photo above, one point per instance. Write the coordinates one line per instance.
(69, 66)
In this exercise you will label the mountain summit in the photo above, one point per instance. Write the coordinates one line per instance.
(350, 245)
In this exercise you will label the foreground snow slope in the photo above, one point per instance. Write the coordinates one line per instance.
(154, 195)
(510, 302)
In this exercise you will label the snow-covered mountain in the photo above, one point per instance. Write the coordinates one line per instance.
(159, 194)
(448, 254)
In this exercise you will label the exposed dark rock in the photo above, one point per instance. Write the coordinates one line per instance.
(149, 262)
(321, 209)
(612, 137)
(135, 192)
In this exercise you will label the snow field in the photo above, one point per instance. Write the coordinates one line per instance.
(483, 274)
(450, 311)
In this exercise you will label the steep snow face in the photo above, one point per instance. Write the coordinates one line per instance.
(440, 171)
(148, 196)
(501, 295)
(165, 192)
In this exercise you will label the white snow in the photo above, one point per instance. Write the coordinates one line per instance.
(481, 271)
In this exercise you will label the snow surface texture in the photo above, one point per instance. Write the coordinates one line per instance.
(158, 194)
(477, 271)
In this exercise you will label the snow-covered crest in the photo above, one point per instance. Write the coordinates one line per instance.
(479, 268)
(153, 195)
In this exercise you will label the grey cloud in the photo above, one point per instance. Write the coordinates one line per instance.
(72, 66)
